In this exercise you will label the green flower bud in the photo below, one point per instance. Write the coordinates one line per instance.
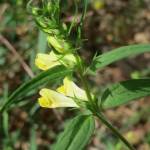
(60, 45)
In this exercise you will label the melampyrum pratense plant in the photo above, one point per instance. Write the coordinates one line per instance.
(63, 62)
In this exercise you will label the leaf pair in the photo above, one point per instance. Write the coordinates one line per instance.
(126, 91)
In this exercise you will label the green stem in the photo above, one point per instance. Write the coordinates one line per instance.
(86, 87)
(83, 78)
(98, 113)
(114, 130)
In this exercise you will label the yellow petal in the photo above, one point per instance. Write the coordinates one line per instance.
(61, 90)
(46, 61)
(69, 88)
(44, 102)
(53, 99)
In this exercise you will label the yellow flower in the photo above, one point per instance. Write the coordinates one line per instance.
(60, 45)
(46, 61)
(98, 4)
(64, 96)
(69, 88)
(53, 99)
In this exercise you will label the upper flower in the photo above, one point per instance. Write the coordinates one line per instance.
(46, 61)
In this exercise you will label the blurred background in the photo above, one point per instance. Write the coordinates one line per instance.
(108, 24)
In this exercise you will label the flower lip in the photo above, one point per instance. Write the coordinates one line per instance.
(44, 102)
(53, 99)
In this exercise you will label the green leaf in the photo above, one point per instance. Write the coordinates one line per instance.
(77, 133)
(33, 144)
(124, 92)
(105, 59)
(42, 78)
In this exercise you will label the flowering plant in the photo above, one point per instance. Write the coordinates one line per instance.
(62, 62)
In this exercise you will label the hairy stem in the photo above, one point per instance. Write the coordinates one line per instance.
(114, 130)
(86, 87)
(97, 112)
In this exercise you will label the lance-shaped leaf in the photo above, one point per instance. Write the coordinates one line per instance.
(124, 92)
(42, 78)
(77, 133)
(107, 58)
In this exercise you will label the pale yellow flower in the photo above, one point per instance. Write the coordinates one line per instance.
(53, 99)
(65, 96)
(46, 61)
(69, 88)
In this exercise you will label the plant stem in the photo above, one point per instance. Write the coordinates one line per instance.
(83, 78)
(114, 130)
(99, 114)
(86, 87)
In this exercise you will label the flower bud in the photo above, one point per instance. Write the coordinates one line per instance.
(60, 45)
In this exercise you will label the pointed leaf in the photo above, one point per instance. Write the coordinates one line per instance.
(77, 134)
(124, 92)
(105, 59)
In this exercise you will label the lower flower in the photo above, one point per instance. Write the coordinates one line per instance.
(67, 95)
(53, 99)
